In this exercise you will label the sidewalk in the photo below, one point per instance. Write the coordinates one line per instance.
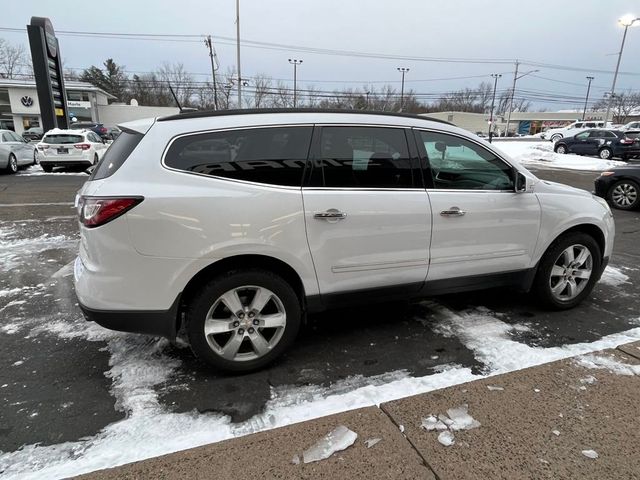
(542, 422)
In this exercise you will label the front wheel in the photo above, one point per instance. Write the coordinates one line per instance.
(556, 137)
(12, 164)
(36, 158)
(243, 320)
(605, 153)
(568, 271)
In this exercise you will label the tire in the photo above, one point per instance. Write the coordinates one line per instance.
(47, 168)
(36, 159)
(561, 149)
(605, 153)
(95, 159)
(12, 164)
(560, 282)
(555, 137)
(254, 348)
(624, 194)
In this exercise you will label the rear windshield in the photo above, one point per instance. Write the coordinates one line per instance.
(632, 134)
(116, 154)
(63, 139)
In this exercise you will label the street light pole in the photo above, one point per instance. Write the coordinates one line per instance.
(209, 43)
(403, 70)
(496, 76)
(238, 52)
(516, 77)
(626, 21)
(584, 112)
(295, 62)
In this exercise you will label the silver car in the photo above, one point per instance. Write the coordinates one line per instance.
(15, 152)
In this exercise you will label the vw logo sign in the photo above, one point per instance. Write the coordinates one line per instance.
(27, 101)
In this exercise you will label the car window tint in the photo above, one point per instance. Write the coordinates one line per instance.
(583, 135)
(362, 157)
(457, 163)
(274, 155)
(610, 135)
(577, 125)
(16, 137)
(63, 138)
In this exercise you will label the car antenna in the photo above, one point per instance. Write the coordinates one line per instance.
(175, 98)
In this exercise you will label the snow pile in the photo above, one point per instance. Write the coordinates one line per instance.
(36, 170)
(13, 249)
(613, 277)
(611, 364)
(541, 154)
(340, 438)
(457, 419)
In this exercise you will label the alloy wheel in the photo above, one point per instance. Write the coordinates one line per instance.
(13, 163)
(571, 272)
(605, 153)
(561, 150)
(245, 323)
(624, 195)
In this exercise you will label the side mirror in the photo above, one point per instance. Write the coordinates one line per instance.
(521, 183)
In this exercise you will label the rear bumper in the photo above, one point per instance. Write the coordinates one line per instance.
(162, 323)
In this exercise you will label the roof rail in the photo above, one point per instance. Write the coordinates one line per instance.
(248, 111)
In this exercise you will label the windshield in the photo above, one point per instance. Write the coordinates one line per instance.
(63, 139)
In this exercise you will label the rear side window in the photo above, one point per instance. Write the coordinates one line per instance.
(62, 139)
(275, 155)
(116, 154)
(364, 157)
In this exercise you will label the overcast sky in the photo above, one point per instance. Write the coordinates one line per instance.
(573, 33)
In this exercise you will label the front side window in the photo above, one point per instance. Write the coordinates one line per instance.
(457, 163)
(362, 157)
(274, 155)
(584, 135)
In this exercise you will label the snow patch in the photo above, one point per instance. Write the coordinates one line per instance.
(613, 277)
(541, 154)
(446, 438)
(611, 364)
(590, 453)
(370, 442)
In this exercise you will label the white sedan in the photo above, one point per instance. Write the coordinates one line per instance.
(66, 148)
(15, 152)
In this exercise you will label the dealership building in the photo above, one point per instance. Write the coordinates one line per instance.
(20, 110)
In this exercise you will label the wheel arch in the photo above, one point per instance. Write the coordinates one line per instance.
(237, 262)
(588, 228)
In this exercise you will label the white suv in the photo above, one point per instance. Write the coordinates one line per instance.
(230, 227)
(66, 148)
(572, 129)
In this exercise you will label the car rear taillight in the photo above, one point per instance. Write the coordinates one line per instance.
(96, 211)
(82, 146)
(627, 141)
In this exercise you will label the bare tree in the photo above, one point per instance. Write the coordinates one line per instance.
(180, 80)
(14, 61)
(261, 91)
(623, 105)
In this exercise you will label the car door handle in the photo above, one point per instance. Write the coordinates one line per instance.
(330, 214)
(452, 212)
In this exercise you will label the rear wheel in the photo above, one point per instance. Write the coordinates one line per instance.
(36, 159)
(605, 153)
(47, 168)
(625, 195)
(568, 271)
(242, 320)
(556, 137)
(95, 158)
(561, 149)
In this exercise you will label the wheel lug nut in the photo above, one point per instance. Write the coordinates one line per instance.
(236, 323)
(240, 315)
(251, 315)
(256, 322)
(240, 331)
(251, 330)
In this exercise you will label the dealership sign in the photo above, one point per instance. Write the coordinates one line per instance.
(47, 68)
(27, 101)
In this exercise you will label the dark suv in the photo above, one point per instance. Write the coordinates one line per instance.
(97, 128)
(604, 143)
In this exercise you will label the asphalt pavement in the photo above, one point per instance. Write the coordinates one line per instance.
(53, 386)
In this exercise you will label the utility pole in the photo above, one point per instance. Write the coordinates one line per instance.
(403, 70)
(295, 62)
(238, 52)
(626, 22)
(367, 93)
(209, 44)
(584, 112)
(516, 77)
(496, 76)
(513, 91)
